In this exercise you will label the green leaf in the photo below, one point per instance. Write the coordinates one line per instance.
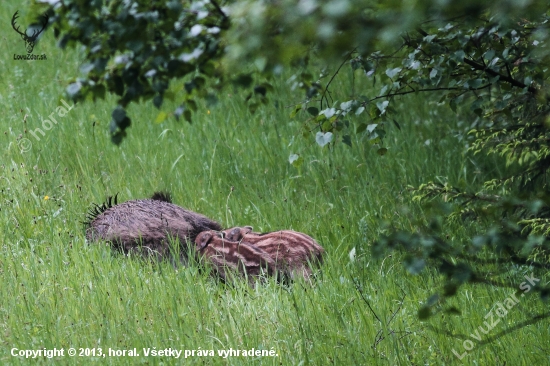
(313, 91)
(361, 127)
(458, 56)
(295, 111)
(382, 106)
(192, 105)
(99, 91)
(243, 80)
(179, 111)
(161, 117)
(211, 99)
(355, 64)
(117, 137)
(414, 265)
(396, 124)
(199, 81)
(260, 63)
(307, 77)
(452, 104)
(346, 139)
(453, 311)
(118, 85)
(73, 89)
(258, 89)
(476, 83)
(187, 115)
(267, 86)
(424, 313)
(207, 68)
(450, 289)
(118, 114)
(326, 125)
(372, 127)
(489, 55)
(189, 86)
(296, 160)
(323, 139)
(314, 111)
(393, 72)
(329, 112)
(157, 101)
(432, 300)
(86, 68)
(169, 95)
(253, 107)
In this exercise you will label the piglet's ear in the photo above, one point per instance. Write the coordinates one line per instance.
(203, 239)
(247, 229)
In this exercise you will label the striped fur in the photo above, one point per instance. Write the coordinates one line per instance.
(227, 256)
(293, 252)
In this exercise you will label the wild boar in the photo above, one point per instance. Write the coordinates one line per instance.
(292, 251)
(146, 226)
(226, 256)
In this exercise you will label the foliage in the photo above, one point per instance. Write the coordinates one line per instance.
(487, 62)
(59, 292)
(134, 49)
(487, 66)
(497, 73)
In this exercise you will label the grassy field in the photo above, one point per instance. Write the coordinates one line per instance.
(59, 292)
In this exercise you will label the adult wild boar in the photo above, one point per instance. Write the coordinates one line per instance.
(146, 226)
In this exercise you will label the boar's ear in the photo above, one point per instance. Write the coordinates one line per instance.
(236, 234)
(203, 239)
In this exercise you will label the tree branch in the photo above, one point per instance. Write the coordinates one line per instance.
(505, 78)
(218, 8)
(332, 78)
(422, 90)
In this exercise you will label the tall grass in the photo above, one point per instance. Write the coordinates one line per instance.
(59, 291)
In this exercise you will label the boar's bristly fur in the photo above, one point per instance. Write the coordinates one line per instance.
(146, 226)
(162, 196)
